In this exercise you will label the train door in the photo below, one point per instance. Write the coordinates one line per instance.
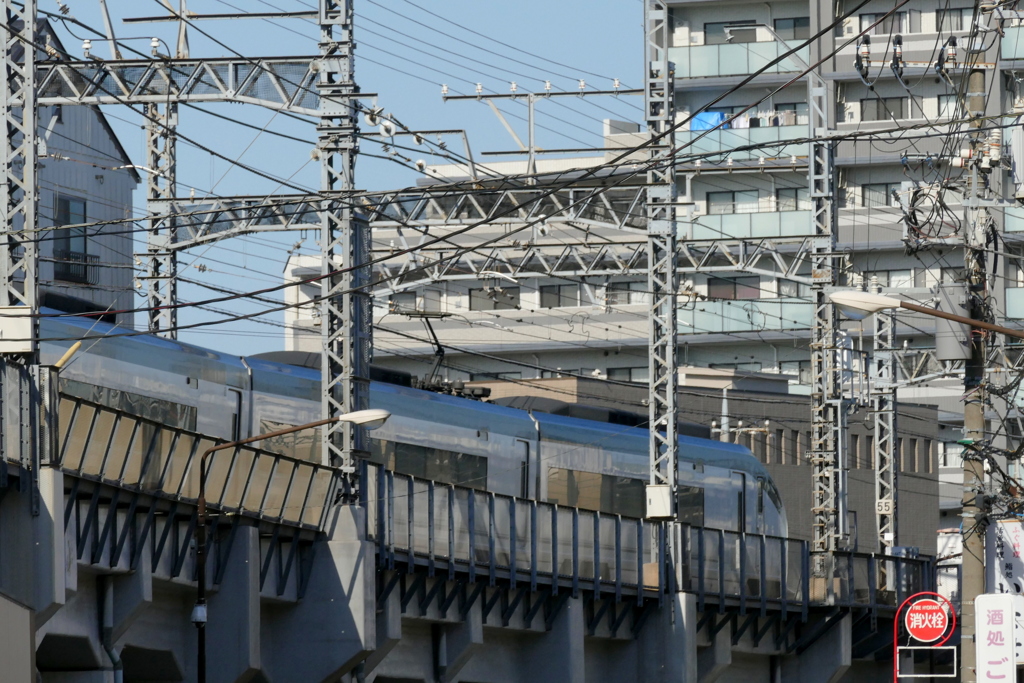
(759, 518)
(522, 455)
(234, 403)
(739, 490)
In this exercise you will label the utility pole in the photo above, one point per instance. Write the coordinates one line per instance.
(976, 227)
(19, 195)
(345, 305)
(161, 184)
(662, 255)
(886, 449)
(26, 389)
(828, 410)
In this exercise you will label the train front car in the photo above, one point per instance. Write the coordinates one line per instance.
(605, 467)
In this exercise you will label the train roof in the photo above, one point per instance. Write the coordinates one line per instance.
(115, 341)
(105, 339)
(304, 382)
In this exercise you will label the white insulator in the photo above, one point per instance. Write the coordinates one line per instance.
(995, 145)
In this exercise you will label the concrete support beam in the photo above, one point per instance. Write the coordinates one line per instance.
(827, 659)
(558, 655)
(389, 631)
(333, 628)
(713, 660)
(48, 548)
(668, 642)
(233, 629)
(17, 641)
(132, 594)
(455, 645)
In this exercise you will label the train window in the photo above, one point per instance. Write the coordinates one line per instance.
(158, 410)
(303, 445)
(607, 493)
(447, 467)
(690, 505)
(773, 494)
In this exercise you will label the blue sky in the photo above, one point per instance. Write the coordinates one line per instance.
(404, 56)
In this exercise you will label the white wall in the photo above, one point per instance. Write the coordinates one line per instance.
(86, 173)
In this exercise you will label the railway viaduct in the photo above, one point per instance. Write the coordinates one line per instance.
(417, 582)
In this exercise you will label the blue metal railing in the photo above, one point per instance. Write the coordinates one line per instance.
(451, 530)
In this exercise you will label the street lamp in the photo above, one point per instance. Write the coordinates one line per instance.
(858, 305)
(369, 419)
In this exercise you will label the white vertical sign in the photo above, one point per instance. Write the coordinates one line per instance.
(994, 638)
(1004, 557)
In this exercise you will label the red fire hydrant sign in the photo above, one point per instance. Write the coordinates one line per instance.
(926, 620)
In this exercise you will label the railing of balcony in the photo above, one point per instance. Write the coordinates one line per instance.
(74, 266)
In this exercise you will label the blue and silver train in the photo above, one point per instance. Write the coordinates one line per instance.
(531, 454)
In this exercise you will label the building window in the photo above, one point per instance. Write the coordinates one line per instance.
(951, 275)
(791, 290)
(715, 34)
(797, 28)
(559, 296)
(70, 247)
(430, 301)
(559, 372)
(799, 110)
(901, 279)
(734, 288)
(402, 302)
(948, 105)
(478, 376)
(793, 199)
(879, 194)
(493, 299)
(799, 369)
(950, 454)
(621, 293)
(740, 367)
(950, 20)
(890, 23)
(732, 202)
(629, 374)
(883, 109)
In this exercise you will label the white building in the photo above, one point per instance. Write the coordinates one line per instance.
(85, 175)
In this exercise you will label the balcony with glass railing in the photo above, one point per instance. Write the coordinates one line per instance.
(765, 141)
(734, 59)
(745, 315)
(766, 217)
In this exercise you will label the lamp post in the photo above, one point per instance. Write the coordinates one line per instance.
(858, 305)
(369, 419)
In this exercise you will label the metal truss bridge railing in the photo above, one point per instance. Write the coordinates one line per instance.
(125, 451)
(448, 531)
